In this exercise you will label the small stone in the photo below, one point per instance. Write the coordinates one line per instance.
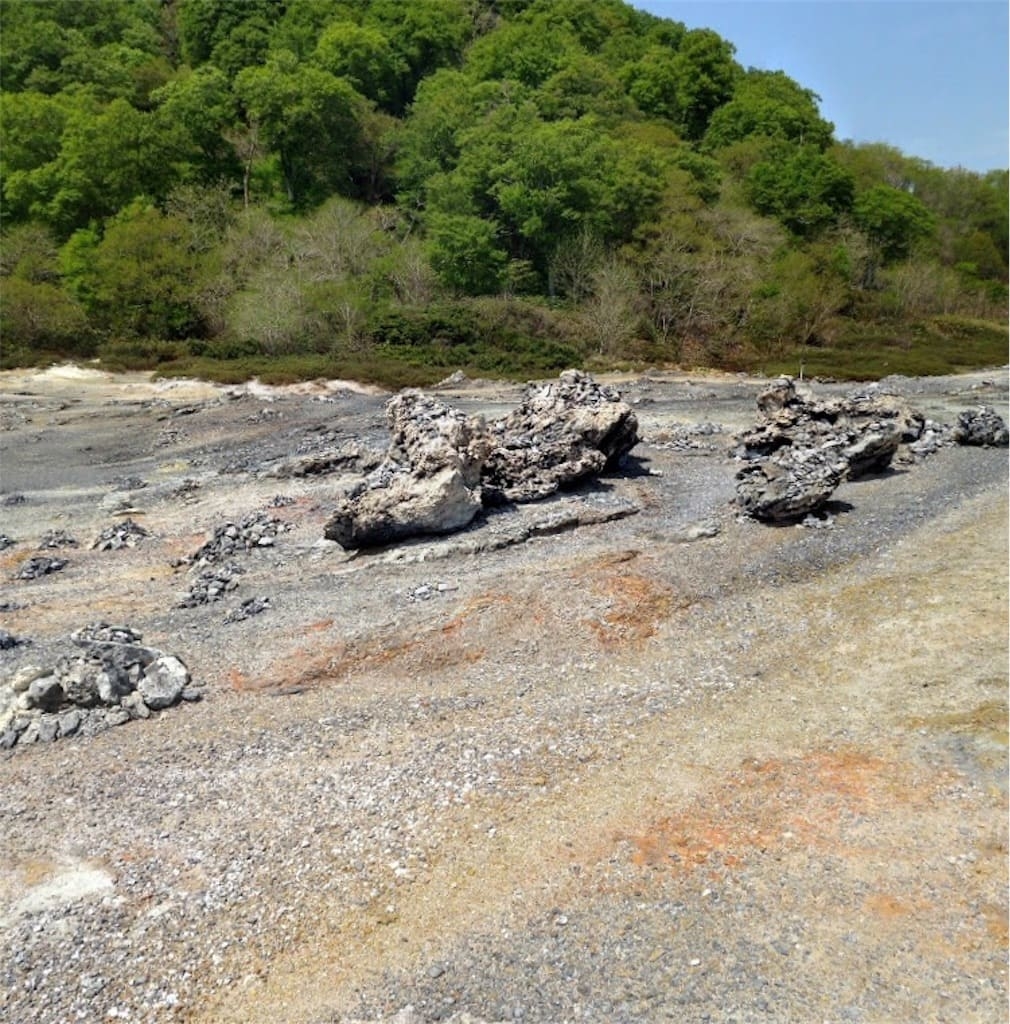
(26, 675)
(48, 728)
(117, 716)
(69, 722)
(163, 682)
(46, 693)
(134, 704)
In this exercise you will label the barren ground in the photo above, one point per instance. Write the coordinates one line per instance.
(611, 774)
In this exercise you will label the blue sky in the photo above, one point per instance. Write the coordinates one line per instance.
(928, 77)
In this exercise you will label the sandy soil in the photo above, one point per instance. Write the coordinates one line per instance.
(607, 775)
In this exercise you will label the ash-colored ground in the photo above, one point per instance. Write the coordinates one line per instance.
(612, 774)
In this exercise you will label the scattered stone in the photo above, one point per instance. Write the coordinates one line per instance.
(982, 427)
(53, 539)
(126, 534)
(8, 641)
(687, 437)
(249, 607)
(38, 566)
(282, 501)
(255, 530)
(16, 498)
(349, 457)
(6, 542)
(12, 606)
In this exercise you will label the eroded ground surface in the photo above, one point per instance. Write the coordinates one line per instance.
(612, 774)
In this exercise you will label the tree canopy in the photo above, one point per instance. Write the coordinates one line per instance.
(558, 150)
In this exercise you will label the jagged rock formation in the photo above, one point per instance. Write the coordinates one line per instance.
(429, 482)
(804, 447)
(790, 484)
(868, 425)
(563, 432)
(442, 466)
(982, 427)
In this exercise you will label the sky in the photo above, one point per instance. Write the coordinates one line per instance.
(927, 76)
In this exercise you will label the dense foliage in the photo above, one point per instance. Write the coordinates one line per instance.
(392, 188)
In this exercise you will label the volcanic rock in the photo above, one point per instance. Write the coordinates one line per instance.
(982, 427)
(791, 483)
(429, 482)
(563, 432)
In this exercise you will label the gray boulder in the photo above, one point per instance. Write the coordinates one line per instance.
(429, 482)
(790, 484)
(982, 427)
(163, 681)
(563, 432)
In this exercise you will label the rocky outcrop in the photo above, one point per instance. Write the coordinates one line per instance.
(868, 426)
(563, 432)
(790, 484)
(114, 678)
(443, 466)
(803, 448)
(982, 427)
(429, 482)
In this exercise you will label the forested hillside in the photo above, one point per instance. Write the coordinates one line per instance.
(393, 190)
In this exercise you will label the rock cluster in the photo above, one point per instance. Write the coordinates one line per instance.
(125, 534)
(803, 448)
(247, 609)
(212, 584)
(982, 427)
(255, 530)
(443, 467)
(54, 539)
(114, 679)
(38, 566)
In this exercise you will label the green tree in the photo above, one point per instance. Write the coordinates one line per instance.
(803, 188)
(466, 254)
(310, 118)
(893, 220)
(364, 56)
(771, 105)
(141, 279)
(203, 107)
(705, 75)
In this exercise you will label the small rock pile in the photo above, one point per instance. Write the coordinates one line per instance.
(114, 680)
(54, 539)
(38, 566)
(247, 609)
(126, 534)
(212, 584)
(255, 530)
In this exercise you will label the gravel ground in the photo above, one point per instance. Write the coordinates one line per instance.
(675, 766)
